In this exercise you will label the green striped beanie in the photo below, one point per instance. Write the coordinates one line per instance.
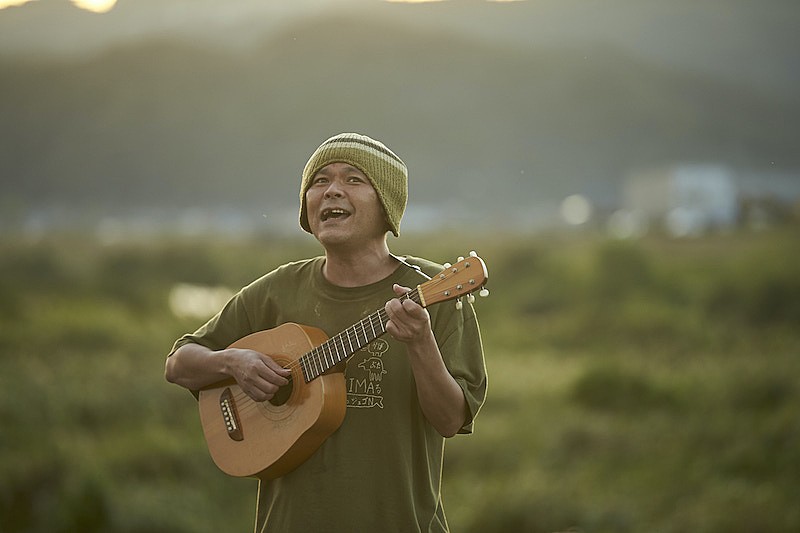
(387, 172)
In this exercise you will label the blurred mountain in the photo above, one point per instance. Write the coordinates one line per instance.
(746, 40)
(487, 118)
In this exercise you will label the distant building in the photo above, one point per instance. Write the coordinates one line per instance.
(683, 199)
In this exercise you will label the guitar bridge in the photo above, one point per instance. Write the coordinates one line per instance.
(228, 407)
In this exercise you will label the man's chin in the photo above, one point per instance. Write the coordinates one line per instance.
(332, 235)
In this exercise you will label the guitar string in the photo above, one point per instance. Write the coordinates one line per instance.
(413, 294)
(248, 404)
(316, 356)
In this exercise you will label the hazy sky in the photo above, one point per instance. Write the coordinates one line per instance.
(104, 6)
(731, 46)
(96, 6)
(750, 40)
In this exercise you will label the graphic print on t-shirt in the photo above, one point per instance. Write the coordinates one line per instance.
(364, 386)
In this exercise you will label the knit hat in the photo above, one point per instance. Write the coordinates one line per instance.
(387, 172)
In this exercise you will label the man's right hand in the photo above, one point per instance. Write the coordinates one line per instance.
(194, 366)
(258, 375)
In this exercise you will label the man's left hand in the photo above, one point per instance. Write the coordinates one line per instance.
(409, 322)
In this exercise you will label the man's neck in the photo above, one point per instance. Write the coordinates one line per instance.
(358, 268)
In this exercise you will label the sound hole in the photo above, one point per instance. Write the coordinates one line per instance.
(282, 396)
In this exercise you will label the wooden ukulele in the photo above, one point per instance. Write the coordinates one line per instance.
(269, 439)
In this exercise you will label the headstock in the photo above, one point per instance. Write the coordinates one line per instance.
(462, 278)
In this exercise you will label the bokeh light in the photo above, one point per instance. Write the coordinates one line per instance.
(576, 210)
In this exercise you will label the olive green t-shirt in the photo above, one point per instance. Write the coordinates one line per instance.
(381, 470)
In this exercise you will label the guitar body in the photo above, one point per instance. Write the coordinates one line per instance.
(269, 439)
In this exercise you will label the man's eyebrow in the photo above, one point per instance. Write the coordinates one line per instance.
(325, 170)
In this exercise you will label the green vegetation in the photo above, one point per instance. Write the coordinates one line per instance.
(649, 386)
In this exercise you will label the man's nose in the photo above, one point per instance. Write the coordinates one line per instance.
(333, 190)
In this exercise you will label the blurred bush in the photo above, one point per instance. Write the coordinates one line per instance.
(647, 385)
(606, 388)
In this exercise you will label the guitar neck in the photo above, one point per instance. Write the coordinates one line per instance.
(453, 282)
(341, 347)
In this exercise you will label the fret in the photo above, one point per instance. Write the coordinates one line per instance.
(380, 323)
(315, 363)
(359, 344)
(306, 364)
(319, 358)
(321, 363)
(339, 348)
(326, 364)
(414, 295)
(336, 344)
(343, 354)
(343, 345)
(348, 336)
(308, 370)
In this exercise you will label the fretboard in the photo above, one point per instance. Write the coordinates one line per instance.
(341, 347)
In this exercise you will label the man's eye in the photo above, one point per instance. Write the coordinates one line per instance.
(318, 181)
(355, 179)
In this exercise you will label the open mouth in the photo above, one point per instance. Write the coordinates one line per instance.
(334, 213)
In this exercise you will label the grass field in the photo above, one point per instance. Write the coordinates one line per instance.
(647, 386)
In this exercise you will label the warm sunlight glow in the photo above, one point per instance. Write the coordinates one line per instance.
(412, 1)
(96, 6)
(197, 301)
(430, 1)
(9, 3)
(103, 6)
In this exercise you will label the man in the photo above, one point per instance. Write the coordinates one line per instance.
(406, 392)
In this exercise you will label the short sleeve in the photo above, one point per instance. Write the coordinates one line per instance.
(460, 343)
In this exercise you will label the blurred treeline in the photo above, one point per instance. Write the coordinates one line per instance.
(493, 120)
(635, 386)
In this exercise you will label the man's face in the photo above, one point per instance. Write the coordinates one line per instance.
(343, 207)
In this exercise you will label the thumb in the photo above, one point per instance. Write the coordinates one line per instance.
(399, 289)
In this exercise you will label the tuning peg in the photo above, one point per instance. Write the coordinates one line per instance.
(461, 258)
(459, 304)
(447, 265)
(471, 298)
(473, 253)
(484, 292)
